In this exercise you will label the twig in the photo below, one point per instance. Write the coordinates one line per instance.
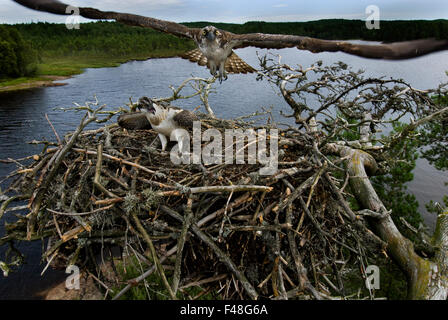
(154, 255)
(221, 255)
(72, 214)
(181, 243)
(54, 130)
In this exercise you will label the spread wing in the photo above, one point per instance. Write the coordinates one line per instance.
(234, 64)
(185, 119)
(195, 55)
(57, 7)
(396, 50)
(134, 121)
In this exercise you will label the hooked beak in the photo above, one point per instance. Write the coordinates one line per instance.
(146, 105)
(211, 36)
(149, 109)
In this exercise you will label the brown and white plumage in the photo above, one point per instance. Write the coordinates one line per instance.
(234, 64)
(164, 120)
(217, 45)
(134, 121)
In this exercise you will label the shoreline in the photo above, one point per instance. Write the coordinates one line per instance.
(40, 82)
(48, 80)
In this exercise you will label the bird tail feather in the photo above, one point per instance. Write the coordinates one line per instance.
(234, 64)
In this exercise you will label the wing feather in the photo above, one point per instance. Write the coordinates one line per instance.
(393, 51)
(134, 121)
(57, 7)
(234, 64)
(195, 56)
(185, 119)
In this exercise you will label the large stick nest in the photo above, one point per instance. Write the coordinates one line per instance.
(288, 235)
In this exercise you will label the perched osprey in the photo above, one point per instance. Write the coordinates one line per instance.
(215, 47)
(163, 120)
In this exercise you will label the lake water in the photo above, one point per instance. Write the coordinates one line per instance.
(22, 119)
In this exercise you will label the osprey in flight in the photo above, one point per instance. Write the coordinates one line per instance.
(163, 120)
(215, 46)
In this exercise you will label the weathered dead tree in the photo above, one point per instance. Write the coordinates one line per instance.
(335, 95)
(223, 229)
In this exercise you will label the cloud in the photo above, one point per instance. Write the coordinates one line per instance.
(301, 17)
(135, 5)
(237, 11)
(11, 12)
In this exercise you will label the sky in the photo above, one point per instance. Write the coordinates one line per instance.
(240, 11)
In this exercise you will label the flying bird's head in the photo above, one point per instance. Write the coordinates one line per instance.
(210, 34)
(145, 104)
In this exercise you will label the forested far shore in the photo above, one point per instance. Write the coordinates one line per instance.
(99, 38)
(37, 49)
(341, 29)
(52, 49)
(17, 56)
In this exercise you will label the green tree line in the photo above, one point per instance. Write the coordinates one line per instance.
(341, 29)
(17, 56)
(22, 45)
(109, 39)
